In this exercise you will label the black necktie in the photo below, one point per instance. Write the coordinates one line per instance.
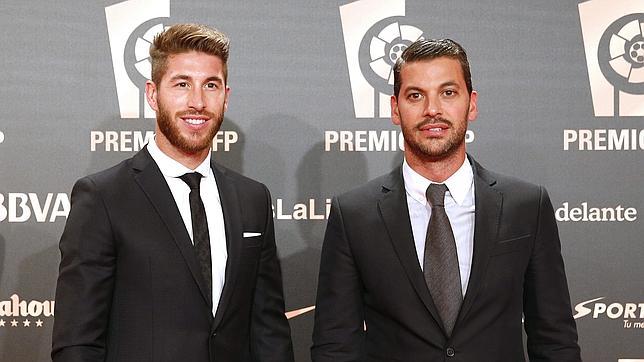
(440, 264)
(200, 236)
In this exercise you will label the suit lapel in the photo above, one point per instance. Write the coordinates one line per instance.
(488, 203)
(234, 230)
(152, 182)
(395, 214)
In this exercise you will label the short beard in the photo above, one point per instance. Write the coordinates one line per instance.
(170, 130)
(435, 150)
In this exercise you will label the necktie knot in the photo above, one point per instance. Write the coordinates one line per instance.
(193, 179)
(436, 194)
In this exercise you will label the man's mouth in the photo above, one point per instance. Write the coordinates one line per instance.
(436, 127)
(195, 121)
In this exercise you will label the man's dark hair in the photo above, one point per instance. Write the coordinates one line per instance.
(432, 49)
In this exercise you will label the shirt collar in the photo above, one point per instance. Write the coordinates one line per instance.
(459, 184)
(170, 167)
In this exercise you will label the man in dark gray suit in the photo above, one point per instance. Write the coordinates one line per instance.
(441, 259)
(169, 256)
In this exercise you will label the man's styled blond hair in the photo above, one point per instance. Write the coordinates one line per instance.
(183, 38)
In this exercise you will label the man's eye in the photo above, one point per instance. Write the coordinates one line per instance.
(415, 96)
(211, 85)
(182, 84)
(449, 92)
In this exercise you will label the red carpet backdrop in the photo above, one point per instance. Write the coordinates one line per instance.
(561, 103)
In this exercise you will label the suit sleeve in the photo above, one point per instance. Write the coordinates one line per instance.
(551, 330)
(85, 280)
(270, 331)
(338, 333)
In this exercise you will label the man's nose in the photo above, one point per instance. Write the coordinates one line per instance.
(197, 100)
(433, 106)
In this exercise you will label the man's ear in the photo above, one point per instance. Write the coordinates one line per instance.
(474, 109)
(395, 114)
(226, 98)
(151, 94)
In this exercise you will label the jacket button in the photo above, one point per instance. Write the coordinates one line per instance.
(450, 352)
(214, 334)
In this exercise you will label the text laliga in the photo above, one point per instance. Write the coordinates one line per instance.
(128, 141)
(20, 207)
(301, 211)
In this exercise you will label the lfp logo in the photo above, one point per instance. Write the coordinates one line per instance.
(131, 26)
(613, 33)
(375, 34)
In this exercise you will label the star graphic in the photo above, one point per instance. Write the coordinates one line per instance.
(38, 323)
(26, 323)
(14, 323)
(1, 322)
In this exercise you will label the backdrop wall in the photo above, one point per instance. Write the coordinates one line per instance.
(561, 99)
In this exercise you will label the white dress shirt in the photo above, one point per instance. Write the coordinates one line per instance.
(171, 171)
(459, 206)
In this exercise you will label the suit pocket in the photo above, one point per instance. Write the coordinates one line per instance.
(252, 242)
(251, 250)
(511, 245)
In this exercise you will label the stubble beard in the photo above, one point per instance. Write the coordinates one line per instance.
(194, 143)
(435, 149)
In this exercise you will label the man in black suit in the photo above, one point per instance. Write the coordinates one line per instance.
(169, 256)
(441, 259)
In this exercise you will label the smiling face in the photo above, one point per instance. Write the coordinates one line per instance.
(433, 108)
(190, 101)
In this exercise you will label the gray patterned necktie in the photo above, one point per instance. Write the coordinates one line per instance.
(440, 263)
(200, 235)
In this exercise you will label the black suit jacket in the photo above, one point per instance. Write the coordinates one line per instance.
(369, 273)
(130, 288)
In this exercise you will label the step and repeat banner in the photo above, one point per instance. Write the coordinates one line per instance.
(561, 103)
